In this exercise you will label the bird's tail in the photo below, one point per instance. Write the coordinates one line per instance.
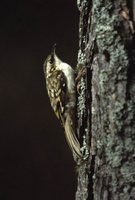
(71, 137)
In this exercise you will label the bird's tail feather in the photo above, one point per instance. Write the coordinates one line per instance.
(71, 137)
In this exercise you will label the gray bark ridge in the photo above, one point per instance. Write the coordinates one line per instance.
(106, 113)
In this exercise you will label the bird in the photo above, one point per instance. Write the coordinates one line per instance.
(60, 85)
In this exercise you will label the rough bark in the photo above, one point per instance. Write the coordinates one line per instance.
(106, 100)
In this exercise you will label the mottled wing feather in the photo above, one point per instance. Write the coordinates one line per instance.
(58, 94)
(56, 86)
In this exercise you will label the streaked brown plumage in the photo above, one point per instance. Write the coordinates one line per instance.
(60, 84)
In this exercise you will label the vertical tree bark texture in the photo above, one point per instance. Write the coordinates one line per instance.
(106, 100)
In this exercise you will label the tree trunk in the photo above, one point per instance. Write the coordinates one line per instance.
(106, 100)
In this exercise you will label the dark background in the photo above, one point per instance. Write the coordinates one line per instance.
(35, 161)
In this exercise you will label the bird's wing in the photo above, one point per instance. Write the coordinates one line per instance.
(57, 88)
(59, 98)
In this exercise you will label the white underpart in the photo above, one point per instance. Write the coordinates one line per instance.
(69, 74)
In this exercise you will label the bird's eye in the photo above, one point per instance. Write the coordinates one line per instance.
(51, 60)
